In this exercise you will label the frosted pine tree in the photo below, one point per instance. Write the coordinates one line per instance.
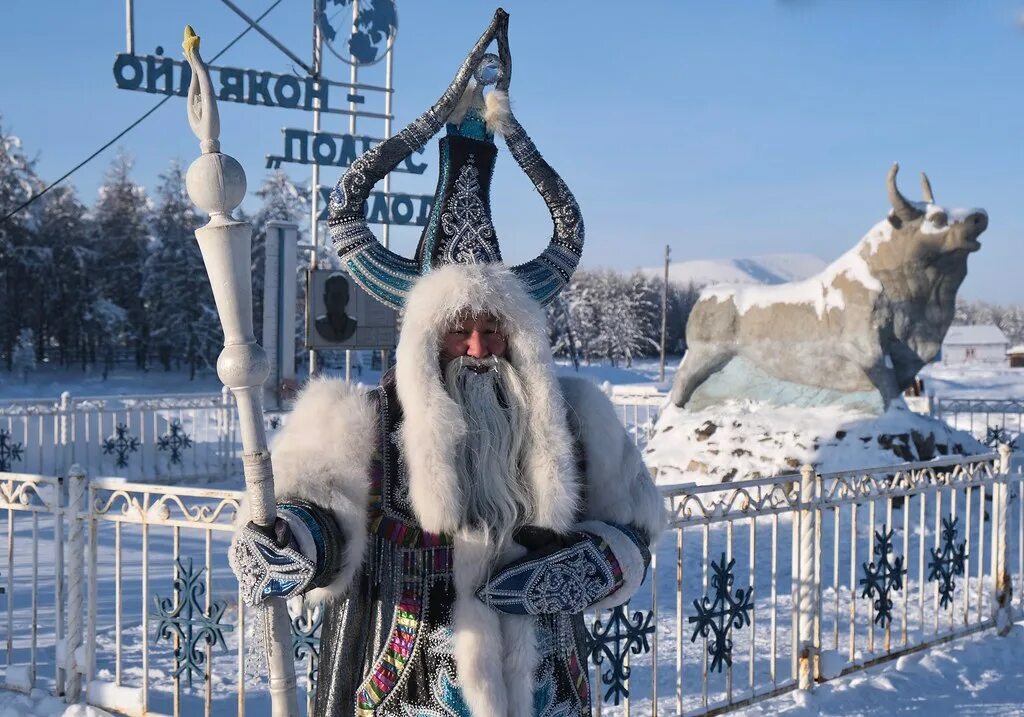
(70, 287)
(640, 335)
(177, 296)
(584, 312)
(18, 256)
(121, 229)
(560, 326)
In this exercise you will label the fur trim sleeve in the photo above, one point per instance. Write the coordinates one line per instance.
(619, 488)
(322, 455)
(631, 559)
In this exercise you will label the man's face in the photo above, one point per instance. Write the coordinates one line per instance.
(474, 336)
(336, 293)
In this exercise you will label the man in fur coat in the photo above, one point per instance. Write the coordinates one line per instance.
(457, 521)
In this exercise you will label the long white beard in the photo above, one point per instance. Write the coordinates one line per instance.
(491, 395)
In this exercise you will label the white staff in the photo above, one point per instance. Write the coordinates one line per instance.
(216, 183)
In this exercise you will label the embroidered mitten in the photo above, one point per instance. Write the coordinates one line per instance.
(301, 552)
(268, 563)
(560, 574)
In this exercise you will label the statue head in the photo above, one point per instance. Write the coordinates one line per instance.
(930, 233)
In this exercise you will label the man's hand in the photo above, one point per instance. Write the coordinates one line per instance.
(268, 562)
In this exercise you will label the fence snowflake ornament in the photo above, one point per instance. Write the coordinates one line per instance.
(879, 581)
(9, 452)
(121, 443)
(184, 622)
(612, 641)
(306, 641)
(723, 615)
(998, 435)
(175, 441)
(948, 561)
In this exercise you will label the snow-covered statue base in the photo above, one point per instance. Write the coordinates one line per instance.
(813, 371)
(751, 439)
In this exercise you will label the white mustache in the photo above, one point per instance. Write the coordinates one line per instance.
(468, 363)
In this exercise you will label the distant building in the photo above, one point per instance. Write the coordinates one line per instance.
(974, 344)
(1016, 356)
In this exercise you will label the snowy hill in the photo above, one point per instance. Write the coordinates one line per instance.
(769, 269)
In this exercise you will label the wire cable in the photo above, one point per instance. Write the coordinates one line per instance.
(130, 127)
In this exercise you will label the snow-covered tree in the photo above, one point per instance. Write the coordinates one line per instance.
(106, 325)
(70, 286)
(1009, 318)
(175, 290)
(121, 240)
(614, 317)
(19, 257)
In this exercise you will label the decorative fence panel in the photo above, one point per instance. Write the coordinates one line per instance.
(31, 582)
(161, 438)
(757, 587)
(989, 419)
(777, 583)
(638, 410)
(161, 599)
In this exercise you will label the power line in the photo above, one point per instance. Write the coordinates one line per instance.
(132, 126)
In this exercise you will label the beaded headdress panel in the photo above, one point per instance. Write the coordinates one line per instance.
(459, 229)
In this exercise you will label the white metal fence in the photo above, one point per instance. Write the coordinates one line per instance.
(761, 587)
(159, 437)
(195, 436)
(985, 418)
(32, 580)
(638, 408)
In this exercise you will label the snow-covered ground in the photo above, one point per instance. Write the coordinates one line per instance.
(977, 675)
(48, 383)
(977, 381)
(40, 704)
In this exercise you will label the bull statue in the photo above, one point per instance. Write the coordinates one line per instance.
(854, 335)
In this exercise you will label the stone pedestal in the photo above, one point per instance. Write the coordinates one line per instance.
(751, 439)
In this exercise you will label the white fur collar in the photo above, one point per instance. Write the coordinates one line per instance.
(433, 423)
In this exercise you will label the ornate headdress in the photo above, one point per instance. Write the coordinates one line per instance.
(459, 230)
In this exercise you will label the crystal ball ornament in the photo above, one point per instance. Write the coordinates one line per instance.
(490, 70)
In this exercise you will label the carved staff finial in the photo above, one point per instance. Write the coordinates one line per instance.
(203, 116)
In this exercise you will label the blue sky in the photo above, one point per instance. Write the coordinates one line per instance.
(725, 129)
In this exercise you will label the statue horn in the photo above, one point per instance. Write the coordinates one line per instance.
(385, 274)
(901, 206)
(926, 189)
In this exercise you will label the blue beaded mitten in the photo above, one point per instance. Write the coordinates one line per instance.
(563, 574)
(269, 566)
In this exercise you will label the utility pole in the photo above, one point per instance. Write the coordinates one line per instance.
(314, 194)
(664, 315)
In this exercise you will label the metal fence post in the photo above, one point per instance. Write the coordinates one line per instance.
(806, 605)
(65, 407)
(1002, 584)
(77, 486)
(60, 608)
